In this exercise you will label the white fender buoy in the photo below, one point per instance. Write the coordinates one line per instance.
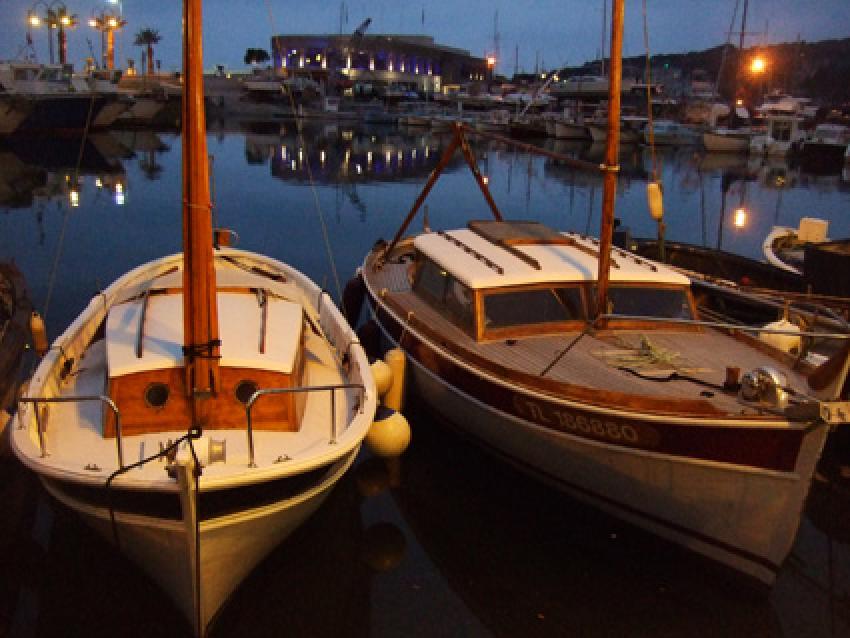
(39, 334)
(397, 362)
(383, 376)
(786, 343)
(389, 434)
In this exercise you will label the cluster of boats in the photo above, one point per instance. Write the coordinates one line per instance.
(38, 97)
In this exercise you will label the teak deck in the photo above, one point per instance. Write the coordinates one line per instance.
(606, 363)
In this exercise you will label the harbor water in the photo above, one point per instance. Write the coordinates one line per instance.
(447, 541)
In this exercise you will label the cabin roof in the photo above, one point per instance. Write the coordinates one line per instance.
(241, 326)
(498, 254)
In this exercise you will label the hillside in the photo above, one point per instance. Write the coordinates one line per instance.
(820, 70)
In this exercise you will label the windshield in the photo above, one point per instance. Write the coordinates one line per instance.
(535, 306)
(641, 301)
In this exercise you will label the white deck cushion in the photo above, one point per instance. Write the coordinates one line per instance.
(240, 323)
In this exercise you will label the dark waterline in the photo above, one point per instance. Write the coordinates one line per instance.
(449, 542)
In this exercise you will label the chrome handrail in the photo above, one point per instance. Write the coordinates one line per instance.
(103, 399)
(728, 326)
(316, 388)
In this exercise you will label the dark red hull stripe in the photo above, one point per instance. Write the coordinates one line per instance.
(773, 449)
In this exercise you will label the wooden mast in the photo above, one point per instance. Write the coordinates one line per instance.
(612, 147)
(200, 314)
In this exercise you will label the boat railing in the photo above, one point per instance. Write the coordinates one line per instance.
(727, 326)
(40, 427)
(330, 389)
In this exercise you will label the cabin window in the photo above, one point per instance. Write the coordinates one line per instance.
(445, 292)
(640, 301)
(781, 131)
(532, 306)
(245, 390)
(156, 395)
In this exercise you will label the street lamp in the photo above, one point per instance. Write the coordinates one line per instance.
(107, 23)
(55, 16)
(758, 65)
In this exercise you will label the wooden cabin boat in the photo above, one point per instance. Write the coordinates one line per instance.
(202, 406)
(643, 415)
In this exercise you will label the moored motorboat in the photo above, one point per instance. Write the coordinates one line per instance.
(203, 405)
(725, 140)
(590, 368)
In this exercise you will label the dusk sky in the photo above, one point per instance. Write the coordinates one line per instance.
(555, 32)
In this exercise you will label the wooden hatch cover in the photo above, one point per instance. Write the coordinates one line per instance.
(511, 234)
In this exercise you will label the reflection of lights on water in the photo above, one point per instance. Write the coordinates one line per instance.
(388, 156)
(427, 152)
(369, 157)
(485, 179)
(740, 219)
(413, 154)
(347, 155)
(294, 165)
(283, 153)
(300, 154)
(98, 182)
(359, 169)
(400, 157)
(74, 197)
(119, 187)
(119, 197)
(322, 156)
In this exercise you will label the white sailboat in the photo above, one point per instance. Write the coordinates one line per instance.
(203, 405)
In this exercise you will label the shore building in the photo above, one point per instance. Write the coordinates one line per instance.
(378, 63)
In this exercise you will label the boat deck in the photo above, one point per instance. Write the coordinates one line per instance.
(74, 429)
(637, 362)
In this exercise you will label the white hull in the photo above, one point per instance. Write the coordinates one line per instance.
(737, 516)
(111, 112)
(767, 146)
(742, 516)
(718, 142)
(230, 546)
(250, 509)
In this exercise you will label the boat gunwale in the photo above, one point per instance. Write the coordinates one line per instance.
(582, 395)
(48, 370)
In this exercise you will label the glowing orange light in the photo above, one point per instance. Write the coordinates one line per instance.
(740, 219)
(491, 61)
(758, 65)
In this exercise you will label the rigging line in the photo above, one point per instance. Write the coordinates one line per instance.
(726, 48)
(299, 127)
(55, 266)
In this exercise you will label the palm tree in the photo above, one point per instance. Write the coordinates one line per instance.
(256, 56)
(148, 37)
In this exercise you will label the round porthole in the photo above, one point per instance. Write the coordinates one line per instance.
(156, 395)
(245, 390)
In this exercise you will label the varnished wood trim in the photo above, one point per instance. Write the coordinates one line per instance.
(768, 448)
(667, 406)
